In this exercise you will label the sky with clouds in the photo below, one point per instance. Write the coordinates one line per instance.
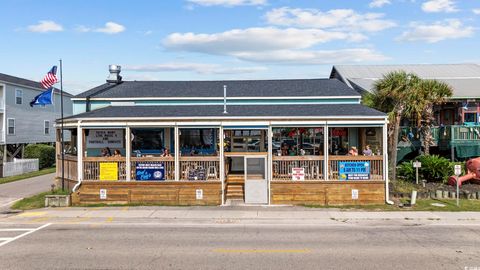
(230, 39)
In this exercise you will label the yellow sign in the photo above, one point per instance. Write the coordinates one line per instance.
(108, 171)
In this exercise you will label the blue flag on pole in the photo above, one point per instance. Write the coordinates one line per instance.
(44, 98)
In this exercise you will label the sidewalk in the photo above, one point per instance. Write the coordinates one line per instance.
(239, 215)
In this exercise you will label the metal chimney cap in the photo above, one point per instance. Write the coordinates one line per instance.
(114, 76)
(114, 68)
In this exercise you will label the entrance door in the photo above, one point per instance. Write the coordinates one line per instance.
(256, 183)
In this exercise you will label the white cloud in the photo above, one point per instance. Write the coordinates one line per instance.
(195, 67)
(476, 11)
(379, 3)
(272, 45)
(109, 28)
(313, 57)
(335, 19)
(256, 39)
(438, 31)
(229, 3)
(439, 6)
(45, 27)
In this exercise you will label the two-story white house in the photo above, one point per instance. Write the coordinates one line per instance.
(21, 124)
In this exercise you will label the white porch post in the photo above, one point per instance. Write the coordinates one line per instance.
(80, 152)
(222, 161)
(128, 153)
(325, 152)
(385, 154)
(270, 162)
(177, 153)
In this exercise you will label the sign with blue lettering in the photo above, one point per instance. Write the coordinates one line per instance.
(154, 171)
(354, 170)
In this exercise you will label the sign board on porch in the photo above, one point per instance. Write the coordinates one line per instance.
(354, 170)
(199, 194)
(150, 171)
(103, 194)
(298, 173)
(111, 138)
(108, 171)
(354, 194)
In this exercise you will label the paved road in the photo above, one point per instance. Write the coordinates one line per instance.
(237, 238)
(13, 191)
(144, 246)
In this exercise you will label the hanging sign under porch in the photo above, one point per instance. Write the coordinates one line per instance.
(111, 138)
(152, 171)
(354, 170)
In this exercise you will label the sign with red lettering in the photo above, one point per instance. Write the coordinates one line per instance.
(339, 132)
(298, 173)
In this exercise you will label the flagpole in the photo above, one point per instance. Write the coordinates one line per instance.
(61, 124)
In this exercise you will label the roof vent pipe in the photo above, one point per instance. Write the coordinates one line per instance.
(114, 76)
(225, 99)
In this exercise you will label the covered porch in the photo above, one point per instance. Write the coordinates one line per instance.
(206, 162)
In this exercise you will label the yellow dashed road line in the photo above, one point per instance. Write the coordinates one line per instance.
(32, 214)
(221, 250)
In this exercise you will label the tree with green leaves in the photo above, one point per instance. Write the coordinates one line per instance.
(393, 95)
(430, 93)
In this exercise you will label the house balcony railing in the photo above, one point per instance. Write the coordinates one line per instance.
(445, 135)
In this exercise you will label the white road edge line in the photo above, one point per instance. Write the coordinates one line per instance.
(5, 238)
(16, 230)
(25, 234)
(14, 201)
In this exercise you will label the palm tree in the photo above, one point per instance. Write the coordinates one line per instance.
(393, 94)
(431, 92)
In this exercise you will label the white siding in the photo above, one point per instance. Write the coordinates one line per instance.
(30, 121)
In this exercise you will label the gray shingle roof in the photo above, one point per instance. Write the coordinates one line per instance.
(245, 88)
(463, 78)
(266, 111)
(29, 83)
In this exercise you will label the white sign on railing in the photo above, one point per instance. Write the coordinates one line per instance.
(298, 173)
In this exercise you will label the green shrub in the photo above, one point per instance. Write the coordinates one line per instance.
(434, 169)
(44, 153)
(406, 171)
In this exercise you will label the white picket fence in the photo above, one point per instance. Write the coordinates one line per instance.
(20, 166)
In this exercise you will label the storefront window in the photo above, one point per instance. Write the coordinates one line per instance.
(354, 141)
(470, 117)
(201, 141)
(247, 140)
(69, 141)
(297, 141)
(149, 141)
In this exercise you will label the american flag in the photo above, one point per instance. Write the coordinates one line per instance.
(50, 79)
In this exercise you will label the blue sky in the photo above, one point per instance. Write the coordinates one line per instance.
(230, 39)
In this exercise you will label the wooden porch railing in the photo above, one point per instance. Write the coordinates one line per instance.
(200, 168)
(71, 168)
(282, 167)
(91, 167)
(376, 165)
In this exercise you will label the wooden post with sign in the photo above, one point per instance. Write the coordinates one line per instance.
(458, 171)
(417, 164)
